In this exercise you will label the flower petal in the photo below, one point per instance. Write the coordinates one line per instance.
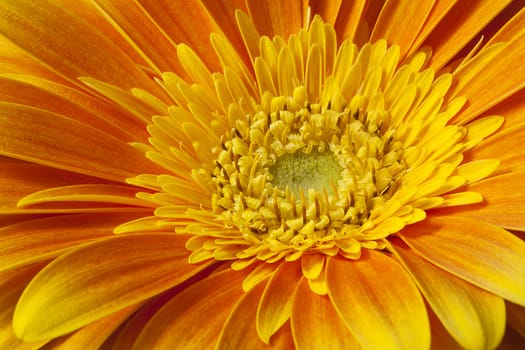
(503, 72)
(19, 179)
(45, 238)
(239, 330)
(99, 279)
(502, 146)
(269, 19)
(100, 193)
(474, 317)
(480, 253)
(94, 334)
(12, 283)
(378, 301)
(178, 19)
(73, 50)
(504, 201)
(276, 302)
(392, 24)
(458, 27)
(179, 323)
(67, 144)
(315, 323)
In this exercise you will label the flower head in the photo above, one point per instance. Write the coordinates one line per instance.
(262, 174)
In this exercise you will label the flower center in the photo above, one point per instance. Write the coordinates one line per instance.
(303, 175)
(300, 172)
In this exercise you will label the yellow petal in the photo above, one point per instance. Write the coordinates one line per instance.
(67, 144)
(194, 318)
(315, 323)
(118, 272)
(378, 302)
(478, 252)
(101, 193)
(276, 301)
(12, 283)
(94, 334)
(474, 317)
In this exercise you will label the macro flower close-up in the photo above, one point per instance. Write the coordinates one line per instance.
(246, 174)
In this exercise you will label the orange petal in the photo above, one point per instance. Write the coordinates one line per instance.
(73, 50)
(276, 302)
(45, 238)
(150, 43)
(12, 283)
(19, 179)
(438, 12)
(275, 17)
(350, 16)
(378, 301)
(178, 20)
(179, 323)
(504, 201)
(117, 272)
(503, 72)
(480, 253)
(512, 340)
(509, 27)
(327, 9)
(474, 317)
(14, 59)
(94, 335)
(392, 24)
(502, 146)
(223, 12)
(315, 323)
(459, 26)
(67, 144)
(239, 330)
(72, 103)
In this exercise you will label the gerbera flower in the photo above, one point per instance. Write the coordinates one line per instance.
(324, 174)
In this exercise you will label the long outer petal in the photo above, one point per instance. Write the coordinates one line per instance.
(99, 279)
(378, 301)
(276, 302)
(67, 44)
(239, 330)
(476, 318)
(67, 144)
(315, 323)
(45, 238)
(480, 253)
(12, 284)
(194, 318)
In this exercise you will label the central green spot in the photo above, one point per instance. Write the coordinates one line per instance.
(302, 171)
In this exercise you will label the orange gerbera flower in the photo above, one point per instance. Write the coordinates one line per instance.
(262, 174)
